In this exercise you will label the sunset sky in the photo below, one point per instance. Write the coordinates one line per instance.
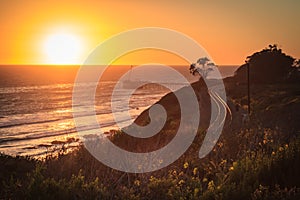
(31, 31)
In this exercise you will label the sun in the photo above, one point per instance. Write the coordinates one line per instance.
(63, 48)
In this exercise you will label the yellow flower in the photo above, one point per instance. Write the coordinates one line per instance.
(195, 171)
(174, 173)
(137, 183)
(286, 146)
(204, 180)
(181, 182)
(265, 141)
(280, 149)
(151, 178)
(273, 153)
(223, 162)
(231, 168)
(211, 185)
(185, 165)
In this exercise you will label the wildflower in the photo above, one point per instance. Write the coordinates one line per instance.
(220, 144)
(137, 183)
(273, 153)
(223, 162)
(151, 178)
(181, 182)
(265, 141)
(204, 180)
(231, 168)
(211, 185)
(185, 165)
(195, 171)
(286, 146)
(174, 172)
(281, 149)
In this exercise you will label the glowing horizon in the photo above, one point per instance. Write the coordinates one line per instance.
(229, 31)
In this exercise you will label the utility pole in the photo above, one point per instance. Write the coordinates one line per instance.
(248, 79)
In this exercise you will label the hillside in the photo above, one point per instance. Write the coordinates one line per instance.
(257, 158)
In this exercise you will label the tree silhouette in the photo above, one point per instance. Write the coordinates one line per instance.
(202, 67)
(269, 65)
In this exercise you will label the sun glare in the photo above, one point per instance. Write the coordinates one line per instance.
(62, 48)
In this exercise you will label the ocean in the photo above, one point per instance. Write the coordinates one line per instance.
(36, 106)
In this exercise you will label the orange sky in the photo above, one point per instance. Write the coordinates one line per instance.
(229, 30)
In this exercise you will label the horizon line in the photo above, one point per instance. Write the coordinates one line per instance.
(107, 65)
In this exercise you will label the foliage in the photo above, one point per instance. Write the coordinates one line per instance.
(202, 67)
(37, 186)
(269, 173)
(269, 65)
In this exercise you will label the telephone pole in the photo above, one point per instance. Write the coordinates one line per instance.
(248, 79)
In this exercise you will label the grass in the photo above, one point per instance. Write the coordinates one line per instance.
(258, 161)
(268, 173)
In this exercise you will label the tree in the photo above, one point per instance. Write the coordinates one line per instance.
(202, 67)
(269, 65)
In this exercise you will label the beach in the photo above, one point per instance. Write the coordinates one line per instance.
(36, 113)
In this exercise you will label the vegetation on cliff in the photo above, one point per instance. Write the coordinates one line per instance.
(259, 159)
